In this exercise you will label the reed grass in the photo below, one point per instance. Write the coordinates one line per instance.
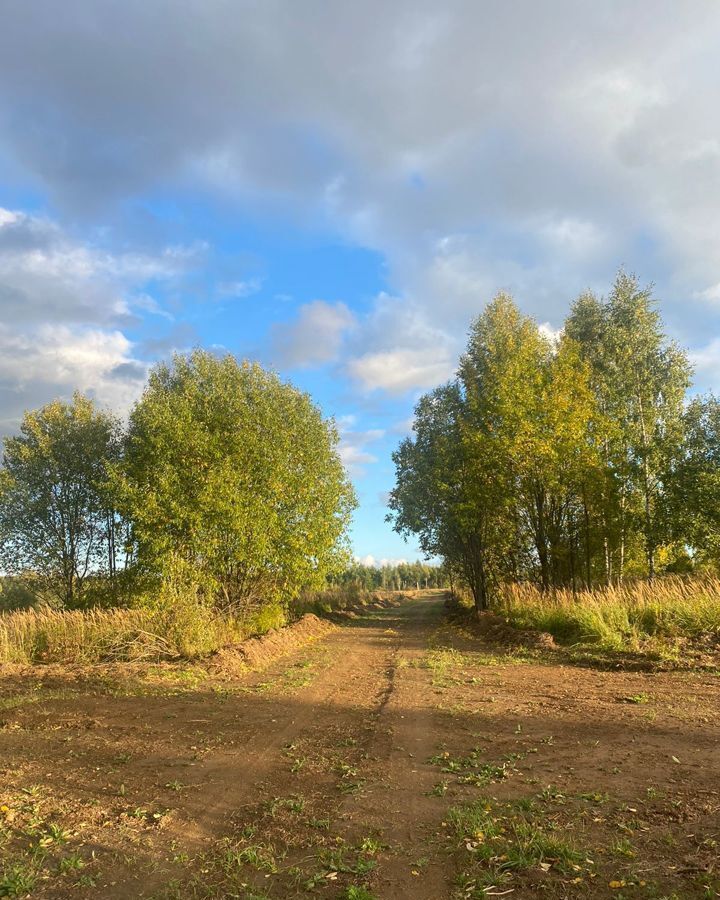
(631, 616)
(98, 635)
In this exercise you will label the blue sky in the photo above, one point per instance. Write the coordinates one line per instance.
(337, 189)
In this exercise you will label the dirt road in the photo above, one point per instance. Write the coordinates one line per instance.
(397, 757)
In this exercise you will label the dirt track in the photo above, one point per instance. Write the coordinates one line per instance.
(337, 767)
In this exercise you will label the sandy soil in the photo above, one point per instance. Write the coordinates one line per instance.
(395, 757)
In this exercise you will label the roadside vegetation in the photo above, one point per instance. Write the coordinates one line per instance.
(203, 521)
(569, 481)
(177, 624)
(633, 616)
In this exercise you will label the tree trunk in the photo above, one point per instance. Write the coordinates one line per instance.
(586, 519)
(541, 542)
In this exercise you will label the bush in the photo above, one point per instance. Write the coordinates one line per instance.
(16, 593)
(332, 598)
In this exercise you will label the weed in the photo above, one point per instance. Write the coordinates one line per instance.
(502, 840)
(638, 698)
(257, 856)
(471, 770)
(71, 863)
(357, 892)
(371, 846)
(17, 880)
(438, 790)
(292, 804)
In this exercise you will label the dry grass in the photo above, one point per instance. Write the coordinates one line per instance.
(184, 630)
(631, 616)
(334, 598)
(176, 626)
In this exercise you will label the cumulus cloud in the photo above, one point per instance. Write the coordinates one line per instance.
(477, 146)
(370, 560)
(314, 337)
(54, 361)
(398, 348)
(64, 307)
(398, 371)
(48, 276)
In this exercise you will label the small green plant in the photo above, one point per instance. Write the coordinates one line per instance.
(358, 892)
(17, 880)
(371, 846)
(439, 790)
(71, 863)
(291, 804)
(503, 839)
(638, 698)
(257, 856)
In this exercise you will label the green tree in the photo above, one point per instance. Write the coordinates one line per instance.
(502, 373)
(641, 379)
(57, 521)
(235, 475)
(555, 460)
(432, 498)
(694, 496)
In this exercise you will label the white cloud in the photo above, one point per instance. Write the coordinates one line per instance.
(53, 361)
(353, 445)
(240, 289)
(370, 560)
(46, 275)
(472, 153)
(355, 459)
(552, 334)
(398, 371)
(706, 361)
(63, 306)
(315, 337)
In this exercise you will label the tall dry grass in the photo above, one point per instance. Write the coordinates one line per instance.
(625, 616)
(337, 597)
(185, 630)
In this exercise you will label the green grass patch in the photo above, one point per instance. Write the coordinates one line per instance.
(504, 840)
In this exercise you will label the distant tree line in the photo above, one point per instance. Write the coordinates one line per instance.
(393, 577)
(568, 461)
(226, 482)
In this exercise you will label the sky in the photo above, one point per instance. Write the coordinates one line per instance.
(337, 189)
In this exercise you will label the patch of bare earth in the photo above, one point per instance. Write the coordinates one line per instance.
(397, 756)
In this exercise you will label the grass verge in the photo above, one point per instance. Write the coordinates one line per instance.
(183, 630)
(637, 616)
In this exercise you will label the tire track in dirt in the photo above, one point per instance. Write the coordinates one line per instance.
(351, 692)
(404, 739)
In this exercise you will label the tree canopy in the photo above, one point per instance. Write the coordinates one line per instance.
(227, 480)
(568, 462)
(56, 515)
(236, 475)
